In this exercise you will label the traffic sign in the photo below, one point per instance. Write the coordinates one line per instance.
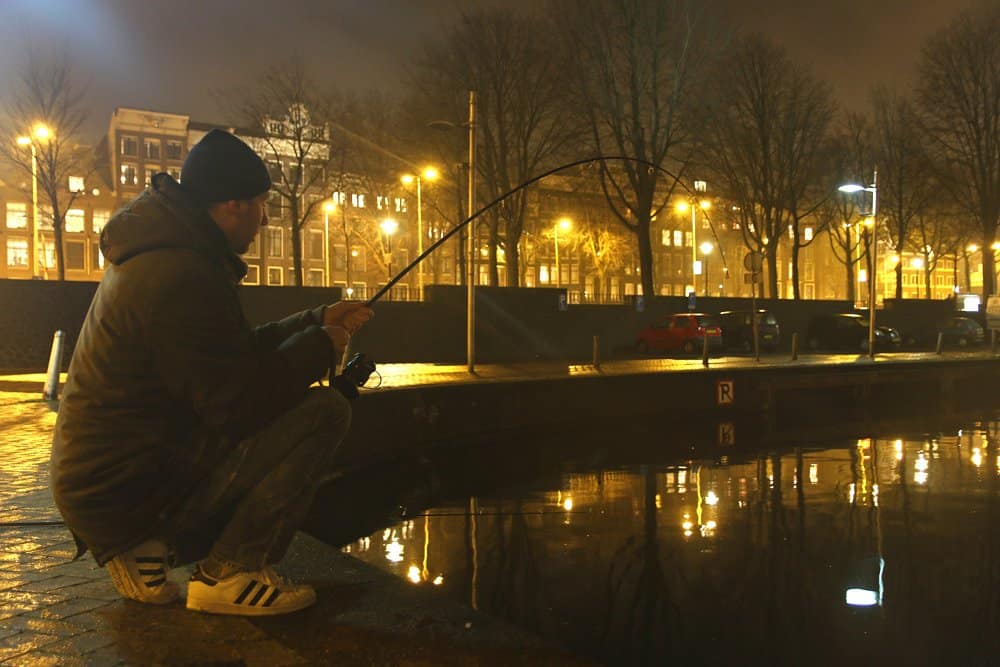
(753, 261)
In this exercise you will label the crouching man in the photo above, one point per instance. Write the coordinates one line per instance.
(183, 434)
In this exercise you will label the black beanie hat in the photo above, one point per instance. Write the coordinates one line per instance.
(221, 167)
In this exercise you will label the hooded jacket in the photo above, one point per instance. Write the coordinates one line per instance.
(167, 375)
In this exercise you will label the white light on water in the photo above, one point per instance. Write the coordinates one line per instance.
(861, 597)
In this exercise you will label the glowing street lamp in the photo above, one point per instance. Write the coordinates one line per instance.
(40, 132)
(872, 223)
(682, 207)
(706, 250)
(389, 227)
(428, 174)
(565, 224)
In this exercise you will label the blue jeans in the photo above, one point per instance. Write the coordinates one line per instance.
(245, 513)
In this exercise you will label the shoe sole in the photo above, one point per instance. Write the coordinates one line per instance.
(229, 609)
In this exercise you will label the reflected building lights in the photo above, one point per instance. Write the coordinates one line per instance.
(898, 445)
(813, 473)
(711, 499)
(977, 457)
(413, 574)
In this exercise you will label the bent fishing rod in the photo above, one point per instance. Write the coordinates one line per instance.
(601, 158)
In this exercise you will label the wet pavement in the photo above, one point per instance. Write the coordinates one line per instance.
(519, 570)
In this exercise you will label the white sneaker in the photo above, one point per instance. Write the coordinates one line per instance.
(141, 574)
(261, 593)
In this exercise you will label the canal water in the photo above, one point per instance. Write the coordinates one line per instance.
(857, 547)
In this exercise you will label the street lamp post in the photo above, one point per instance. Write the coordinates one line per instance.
(40, 132)
(389, 227)
(430, 174)
(706, 249)
(873, 253)
(566, 224)
(328, 207)
(682, 207)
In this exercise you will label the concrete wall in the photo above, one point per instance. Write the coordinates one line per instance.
(511, 324)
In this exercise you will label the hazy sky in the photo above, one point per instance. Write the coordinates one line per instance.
(171, 55)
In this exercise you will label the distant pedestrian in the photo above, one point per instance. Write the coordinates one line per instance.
(183, 434)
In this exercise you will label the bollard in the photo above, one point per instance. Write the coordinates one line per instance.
(51, 390)
(597, 352)
(795, 345)
(940, 343)
(704, 352)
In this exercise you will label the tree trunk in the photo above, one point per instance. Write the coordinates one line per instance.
(899, 276)
(989, 264)
(296, 240)
(645, 255)
(513, 254)
(771, 253)
(851, 296)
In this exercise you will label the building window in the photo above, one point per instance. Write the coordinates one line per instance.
(175, 173)
(17, 252)
(129, 146)
(97, 257)
(274, 275)
(358, 291)
(314, 278)
(678, 238)
(174, 150)
(76, 184)
(152, 149)
(357, 260)
(357, 200)
(665, 237)
(254, 249)
(315, 244)
(74, 220)
(128, 175)
(401, 292)
(17, 215)
(99, 218)
(253, 275)
(274, 246)
(47, 254)
(275, 205)
(339, 259)
(400, 205)
(150, 172)
(75, 251)
(274, 171)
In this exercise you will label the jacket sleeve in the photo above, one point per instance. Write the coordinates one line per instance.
(209, 358)
(272, 334)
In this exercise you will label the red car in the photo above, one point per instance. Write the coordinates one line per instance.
(682, 331)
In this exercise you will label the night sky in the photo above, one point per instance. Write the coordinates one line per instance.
(170, 56)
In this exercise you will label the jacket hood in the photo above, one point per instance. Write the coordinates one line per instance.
(165, 216)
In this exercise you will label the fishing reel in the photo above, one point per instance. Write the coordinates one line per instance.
(355, 374)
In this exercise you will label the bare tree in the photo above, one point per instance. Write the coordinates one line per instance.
(906, 183)
(508, 60)
(853, 150)
(46, 96)
(959, 98)
(289, 117)
(766, 141)
(636, 64)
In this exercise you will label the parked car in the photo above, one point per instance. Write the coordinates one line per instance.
(737, 330)
(961, 331)
(683, 331)
(848, 331)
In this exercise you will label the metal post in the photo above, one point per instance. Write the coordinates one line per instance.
(873, 278)
(940, 343)
(420, 245)
(470, 328)
(51, 390)
(556, 238)
(597, 352)
(35, 222)
(704, 351)
(694, 245)
(326, 246)
(795, 345)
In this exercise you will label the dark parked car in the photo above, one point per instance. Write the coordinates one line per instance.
(847, 331)
(683, 331)
(961, 331)
(737, 330)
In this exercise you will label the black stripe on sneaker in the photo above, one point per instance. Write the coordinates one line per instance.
(272, 597)
(157, 560)
(246, 592)
(158, 570)
(260, 594)
(156, 582)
